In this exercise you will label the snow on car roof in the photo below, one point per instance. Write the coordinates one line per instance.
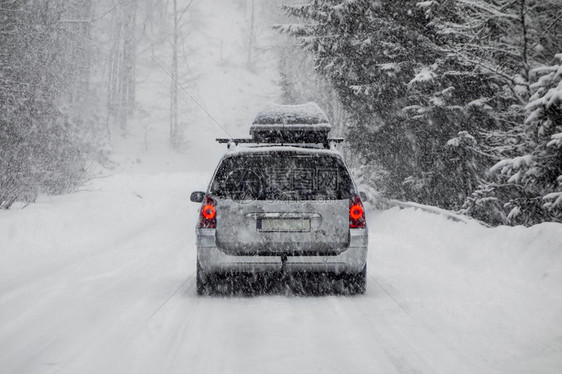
(301, 114)
(302, 123)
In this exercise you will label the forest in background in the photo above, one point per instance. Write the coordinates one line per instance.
(70, 78)
(66, 75)
(453, 103)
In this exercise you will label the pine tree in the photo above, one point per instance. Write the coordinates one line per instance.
(517, 39)
(436, 90)
(527, 188)
(406, 95)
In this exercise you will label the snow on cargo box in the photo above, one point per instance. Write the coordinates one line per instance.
(303, 123)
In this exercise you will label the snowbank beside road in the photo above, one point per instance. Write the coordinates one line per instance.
(492, 292)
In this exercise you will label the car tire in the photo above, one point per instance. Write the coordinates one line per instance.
(203, 282)
(355, 283)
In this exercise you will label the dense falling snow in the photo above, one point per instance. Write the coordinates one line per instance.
(102, 280)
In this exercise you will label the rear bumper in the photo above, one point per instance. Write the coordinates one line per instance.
(213, 260)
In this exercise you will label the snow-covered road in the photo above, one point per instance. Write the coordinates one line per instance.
(102, 281)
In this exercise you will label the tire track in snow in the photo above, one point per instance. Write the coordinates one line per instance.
(138, 324)
(412, 347)
(181, 286)
(42, 344)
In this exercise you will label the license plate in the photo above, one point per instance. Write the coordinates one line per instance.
(283, 224)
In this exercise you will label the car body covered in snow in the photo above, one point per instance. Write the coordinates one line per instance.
(286, 208)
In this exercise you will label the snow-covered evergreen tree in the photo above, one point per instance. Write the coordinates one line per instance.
(406, 94)
(527, 188)
(515, 41)
(436, 90)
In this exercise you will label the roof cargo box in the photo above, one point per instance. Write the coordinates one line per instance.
(304, 123)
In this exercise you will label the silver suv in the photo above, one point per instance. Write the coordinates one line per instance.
(281, 209)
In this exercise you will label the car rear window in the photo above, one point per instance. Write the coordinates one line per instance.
(282, 176)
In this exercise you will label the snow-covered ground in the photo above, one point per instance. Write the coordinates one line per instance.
(102, 280)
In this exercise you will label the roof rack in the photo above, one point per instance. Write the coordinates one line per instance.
(233, 140)
(327, 144)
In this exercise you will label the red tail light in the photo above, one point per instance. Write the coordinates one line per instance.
(208, 216)
(356, 213)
